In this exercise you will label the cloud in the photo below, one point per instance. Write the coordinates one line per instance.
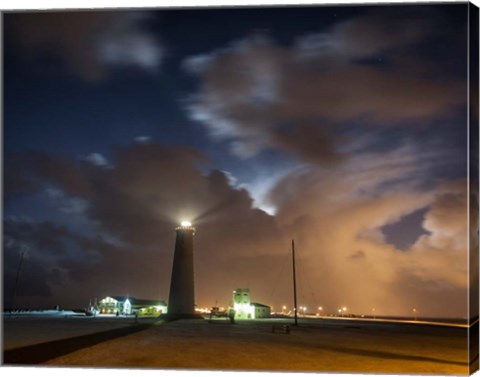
(133, 208)
(374, 33)
(336, 217)
(442, 254)
(27, 173)
(65, 203)
(257, 94)
(143, 139)
(40, 244)
(97, 159)
(55, 258)
(125, 43)
(88, 42)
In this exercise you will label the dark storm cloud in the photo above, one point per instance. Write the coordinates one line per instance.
(134, 206)
(147, 184)
(150, 188)
(26, 173)
(369, 69)
(33, 283)
(147, 191)
(88, 42)
(60, 265)
(42, 244)
(46, 236)
(15, 181)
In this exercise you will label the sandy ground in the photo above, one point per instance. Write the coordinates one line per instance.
(19, 331)
(315, 346)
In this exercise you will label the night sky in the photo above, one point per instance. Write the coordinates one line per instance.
(344, 128)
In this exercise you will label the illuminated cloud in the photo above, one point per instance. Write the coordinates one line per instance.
(335, 215)
(64, 203)
(97, 159)
(257, 94)
(143, 139)
(124, 43)
(241, 81)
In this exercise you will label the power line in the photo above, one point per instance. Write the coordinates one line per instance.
(304, 273)
(286, 259)
(17, 278)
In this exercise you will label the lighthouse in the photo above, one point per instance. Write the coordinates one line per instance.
(181, 300)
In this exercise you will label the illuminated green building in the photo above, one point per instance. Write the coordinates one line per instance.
(245, 309)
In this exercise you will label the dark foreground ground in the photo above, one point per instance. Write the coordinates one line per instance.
(316, 345)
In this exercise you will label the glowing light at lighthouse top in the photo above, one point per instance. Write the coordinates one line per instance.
(185, 225)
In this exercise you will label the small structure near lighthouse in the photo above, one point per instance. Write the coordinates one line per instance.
(181, 300)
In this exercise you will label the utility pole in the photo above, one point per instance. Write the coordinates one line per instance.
(294, 285)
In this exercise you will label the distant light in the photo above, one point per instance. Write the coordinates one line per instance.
(186, 223)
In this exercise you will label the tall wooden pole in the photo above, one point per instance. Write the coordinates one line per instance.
(294, 285)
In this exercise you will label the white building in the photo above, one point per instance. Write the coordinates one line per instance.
(260, 310)
(125, 305)
(245, 309)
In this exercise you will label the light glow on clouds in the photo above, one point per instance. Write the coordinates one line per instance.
(257, 94)
(143, 139)
(262, 183)
(125, 44)
(133, 50)
(97, 159)
(65, 203)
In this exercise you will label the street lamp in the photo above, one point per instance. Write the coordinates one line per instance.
(373, 310)
(415, 313)
(319, 310)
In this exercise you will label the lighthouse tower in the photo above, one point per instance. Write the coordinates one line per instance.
(181, 300)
